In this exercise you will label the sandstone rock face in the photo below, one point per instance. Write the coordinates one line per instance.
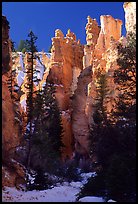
(73, 68)
(110, 29)
(5, 45)
(80, 125)
(92, 31)
(11, 171)
(92, 34)
(66, 65)
(103, 59)
(130, 15)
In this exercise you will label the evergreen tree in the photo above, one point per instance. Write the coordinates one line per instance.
(47, 135)
(100, 114)
(125, 78)
(32, 48)
(116, 147)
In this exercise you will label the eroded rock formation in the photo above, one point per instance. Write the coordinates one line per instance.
(66, 65)
(12, 171)
(80, 124)
(103, 59)
(130, 15)
(73, 69)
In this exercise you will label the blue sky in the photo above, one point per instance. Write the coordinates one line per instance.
(45, 17)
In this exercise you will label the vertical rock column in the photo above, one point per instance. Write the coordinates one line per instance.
(80, 125)
(104, 58)
(66, 65)
(92, 33)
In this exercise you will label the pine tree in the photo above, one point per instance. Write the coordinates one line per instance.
(116, 143)
(32, 48)
(47, 135)
(125, 78)
(101, 121)
(100, 114)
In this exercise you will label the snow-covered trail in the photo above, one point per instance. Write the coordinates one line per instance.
(65, 192)
(56, 194)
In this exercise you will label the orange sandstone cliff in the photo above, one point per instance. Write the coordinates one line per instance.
(12, 171)
(73, 68)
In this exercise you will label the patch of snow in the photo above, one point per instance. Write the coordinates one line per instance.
(20, 77)
(23, 104)
(28, 127)
(65, 192)
(77, 184)
(91, 199)
(56, 194)
(44, 83)
(48, 54)
(21, 61)
(16, 88)
(111, 200)
(39, 69)
(86, 176)
(31, 178)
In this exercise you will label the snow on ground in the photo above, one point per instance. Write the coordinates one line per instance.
(111, 200)
(48, 54)
(65, 192)
(56, 194)
(91, 199)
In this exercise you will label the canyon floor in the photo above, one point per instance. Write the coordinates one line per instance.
(65, 192)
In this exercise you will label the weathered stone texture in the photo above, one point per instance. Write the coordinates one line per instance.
(10, 129)
(130, 15)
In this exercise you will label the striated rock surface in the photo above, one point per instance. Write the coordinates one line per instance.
(80, 125)
(103, 60)
(110, 29)
(92, 34)
(12, 173)
(130, 15)
(66, 65)
(73, 68)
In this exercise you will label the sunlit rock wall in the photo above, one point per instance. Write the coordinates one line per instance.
(130, 15)
(12, 171)
(103, 60)
(66, 65)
